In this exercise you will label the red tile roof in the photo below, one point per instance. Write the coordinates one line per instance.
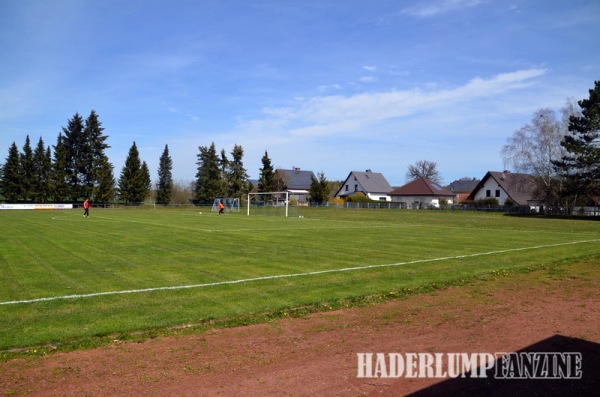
(422, 187)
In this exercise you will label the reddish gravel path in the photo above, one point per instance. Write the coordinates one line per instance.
(317, 355)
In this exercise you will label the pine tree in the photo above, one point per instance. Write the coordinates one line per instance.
(48, 163)
(164, 186)
(146, 180)
(84, 147)
(265, 180)
(237, 176)
(42, 165)
(208, 178)
(104, 192)
(319, 189)
(224, 175)
(10, 177)
(76, 154)
(580, 167)
(27, 172)
(94, 154)
(60, 190)
(132, 187)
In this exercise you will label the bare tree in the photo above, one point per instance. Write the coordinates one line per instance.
(425, 169)
(534, 147)
(182, 192)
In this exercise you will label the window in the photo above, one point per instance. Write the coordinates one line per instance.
(346, 187)
(497, 192)
(356, 188)
(488, 193)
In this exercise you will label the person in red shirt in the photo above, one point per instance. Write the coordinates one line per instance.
(221, 208)
(86, 208)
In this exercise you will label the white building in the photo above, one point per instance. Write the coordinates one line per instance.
(371, 184)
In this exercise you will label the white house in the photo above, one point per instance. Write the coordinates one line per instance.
(505, 186)
(371, 184)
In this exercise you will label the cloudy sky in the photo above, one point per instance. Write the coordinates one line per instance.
(324, 85)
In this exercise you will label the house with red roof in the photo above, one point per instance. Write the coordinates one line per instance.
(422, 193)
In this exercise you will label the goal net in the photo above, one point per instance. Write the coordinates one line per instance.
(231, 204)
(268, 204)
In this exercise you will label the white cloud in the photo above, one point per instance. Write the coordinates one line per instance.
(370, 68)
(328, 87)
(337, 114)
(368, 79)
(433, 8)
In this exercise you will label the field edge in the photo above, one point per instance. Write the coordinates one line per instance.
(556, 270)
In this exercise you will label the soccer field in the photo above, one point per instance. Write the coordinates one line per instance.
(67, 279)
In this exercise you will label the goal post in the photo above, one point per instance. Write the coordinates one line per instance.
(268, 203)
(232, 204)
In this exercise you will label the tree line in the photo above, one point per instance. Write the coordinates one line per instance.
(77, 168)
(563, 156)
(219, 176)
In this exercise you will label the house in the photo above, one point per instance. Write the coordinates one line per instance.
(371, 184)
(422, 193)
(296, 182)
(462, 188)
(505, 187)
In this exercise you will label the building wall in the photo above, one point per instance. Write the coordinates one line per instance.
(379, 196)
(491, 189)
(421, 201)
(352, 186)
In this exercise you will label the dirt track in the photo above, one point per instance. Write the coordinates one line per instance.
(317, 355)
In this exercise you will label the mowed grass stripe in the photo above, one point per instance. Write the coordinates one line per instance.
(292, 275)
(139, 249)
(134, 258)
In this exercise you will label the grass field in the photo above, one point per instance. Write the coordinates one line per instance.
(68, 281)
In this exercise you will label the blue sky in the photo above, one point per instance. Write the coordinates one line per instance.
(324, 85)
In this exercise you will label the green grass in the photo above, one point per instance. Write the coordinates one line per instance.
(60, 253)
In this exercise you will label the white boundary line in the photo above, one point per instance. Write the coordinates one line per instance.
(247, 280)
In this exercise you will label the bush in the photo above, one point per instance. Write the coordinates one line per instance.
(487, 202)
(444, 204)
(359, 197)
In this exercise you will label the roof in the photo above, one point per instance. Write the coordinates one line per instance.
(371, 182)
(296, 178)
(422, 187)
(462, 197)
(463, 185)
(519, 187)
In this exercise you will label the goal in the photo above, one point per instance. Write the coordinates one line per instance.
(268, 203)
(231, 204)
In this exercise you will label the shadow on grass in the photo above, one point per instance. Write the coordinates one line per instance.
(548, 216)
(588, 385)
